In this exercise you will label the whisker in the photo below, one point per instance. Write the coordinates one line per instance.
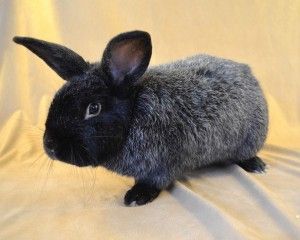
(35, 161)
(102, 137)
(48, 167)
(92, 175)
(35, 135)
(82, 179)
(91, 187)
(93, 184)
(43, 164)
(42, 183)
(84, 147)
(79, 172)
(31, 124)
(32, 129)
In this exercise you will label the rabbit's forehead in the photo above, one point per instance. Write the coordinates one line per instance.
(74, 97)
(71, 100)
(80, 87)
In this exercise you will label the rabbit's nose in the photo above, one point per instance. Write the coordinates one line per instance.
(50, 146)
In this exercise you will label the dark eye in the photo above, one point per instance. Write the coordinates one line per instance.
(92, 110)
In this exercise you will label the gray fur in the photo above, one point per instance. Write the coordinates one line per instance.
(192, 113)
(155, 125)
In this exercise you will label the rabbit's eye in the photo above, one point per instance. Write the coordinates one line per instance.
(92, 110)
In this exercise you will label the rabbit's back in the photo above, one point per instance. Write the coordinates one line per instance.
(197, 111)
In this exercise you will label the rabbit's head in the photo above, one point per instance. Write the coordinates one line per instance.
(89, 116)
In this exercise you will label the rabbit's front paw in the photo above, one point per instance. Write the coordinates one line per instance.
(141, 193)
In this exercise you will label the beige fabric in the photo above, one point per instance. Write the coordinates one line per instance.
(40, 199)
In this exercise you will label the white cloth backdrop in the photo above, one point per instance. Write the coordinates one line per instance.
(40, 199)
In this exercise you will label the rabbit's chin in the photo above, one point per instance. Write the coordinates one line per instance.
(82, 159)
(79, 159)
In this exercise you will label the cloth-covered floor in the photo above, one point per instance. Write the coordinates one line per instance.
(43, 199)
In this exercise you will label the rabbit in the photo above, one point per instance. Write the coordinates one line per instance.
(153, 124)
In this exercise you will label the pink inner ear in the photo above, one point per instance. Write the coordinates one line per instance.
(125, 58)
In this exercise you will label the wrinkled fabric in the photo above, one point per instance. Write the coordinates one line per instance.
(43, 199)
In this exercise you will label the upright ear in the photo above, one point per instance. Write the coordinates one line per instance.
(127, 57)
(65, 62)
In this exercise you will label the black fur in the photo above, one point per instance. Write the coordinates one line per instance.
(141, 193)
(62, 60)
(253, 165)
(154, 125)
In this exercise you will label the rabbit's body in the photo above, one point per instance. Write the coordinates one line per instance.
(192, 113)
(155, 124)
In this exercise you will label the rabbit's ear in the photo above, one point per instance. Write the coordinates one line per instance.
(127, 57)
(63, 61)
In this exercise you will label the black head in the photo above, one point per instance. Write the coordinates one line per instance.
(90, 115)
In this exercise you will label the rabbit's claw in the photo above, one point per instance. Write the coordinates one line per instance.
(141, 194)
(254, 164)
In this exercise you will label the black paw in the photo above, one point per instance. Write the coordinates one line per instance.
(141, 194)
(253, 165)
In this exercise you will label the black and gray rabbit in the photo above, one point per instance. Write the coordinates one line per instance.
(156, 123)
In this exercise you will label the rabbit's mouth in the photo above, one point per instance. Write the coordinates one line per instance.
(66, 151)
(70, 156)
(82, 148)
